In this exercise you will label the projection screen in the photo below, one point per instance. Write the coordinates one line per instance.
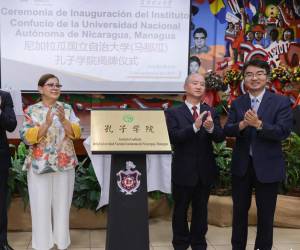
(96, 45)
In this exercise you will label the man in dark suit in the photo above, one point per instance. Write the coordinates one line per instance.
(8, 122)
(192, 127)
(259, 120)
(296, 115)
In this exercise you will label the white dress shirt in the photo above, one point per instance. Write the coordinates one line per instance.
(190, 106)
(258, 98)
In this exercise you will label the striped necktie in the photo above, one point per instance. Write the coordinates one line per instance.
(195, 113)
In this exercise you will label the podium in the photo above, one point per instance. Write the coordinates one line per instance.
(128, 135)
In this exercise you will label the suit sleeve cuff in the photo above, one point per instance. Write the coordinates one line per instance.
(195, 129)
(210, 131)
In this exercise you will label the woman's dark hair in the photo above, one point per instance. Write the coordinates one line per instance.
(195, 59)
(228, 24)
(246, 35)
(44, 78)
(274, 34)
(257, 63)
(292, 34)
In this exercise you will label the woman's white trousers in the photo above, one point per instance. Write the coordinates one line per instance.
(50, 198)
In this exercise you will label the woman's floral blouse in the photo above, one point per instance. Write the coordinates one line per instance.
(55, 152)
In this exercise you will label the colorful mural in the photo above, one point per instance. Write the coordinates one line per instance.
(225, 34)
(240, 30)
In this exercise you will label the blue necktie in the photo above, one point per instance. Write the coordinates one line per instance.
(254, 104)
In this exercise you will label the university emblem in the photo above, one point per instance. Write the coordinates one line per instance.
(129, 179)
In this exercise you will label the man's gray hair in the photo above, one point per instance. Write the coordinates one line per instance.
(187, 79)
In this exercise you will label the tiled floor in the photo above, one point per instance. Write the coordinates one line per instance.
(160, 238)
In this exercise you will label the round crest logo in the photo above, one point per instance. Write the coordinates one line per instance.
(129, 179)
(128, 118)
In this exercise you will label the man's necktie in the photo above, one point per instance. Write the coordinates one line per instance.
(254, 104)
(195, 113)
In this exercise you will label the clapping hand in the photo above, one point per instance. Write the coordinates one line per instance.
(199, 120)
(208, 123)
(61, 113)
(49, 117)
(251, 118)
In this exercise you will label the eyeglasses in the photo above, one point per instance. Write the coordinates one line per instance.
(258, 74)
(53, 85)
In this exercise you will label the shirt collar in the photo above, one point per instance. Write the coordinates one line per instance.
(190, 106)
(259, 97)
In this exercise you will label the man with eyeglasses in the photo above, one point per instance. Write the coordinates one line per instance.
(200, 35)
(259, 120)
(8, 122)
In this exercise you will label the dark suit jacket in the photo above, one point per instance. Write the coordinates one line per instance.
(276, 115)
(8, 122)
(193, 157)
(296, 114)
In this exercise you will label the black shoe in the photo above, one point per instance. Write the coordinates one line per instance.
(6, 247)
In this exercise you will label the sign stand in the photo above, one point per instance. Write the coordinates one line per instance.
(128, 226)
(128, 135)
